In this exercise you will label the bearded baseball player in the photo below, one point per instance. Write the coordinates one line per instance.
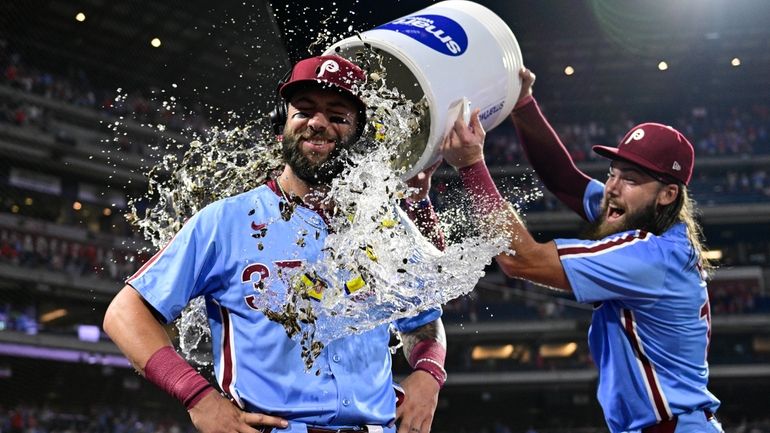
(261, 377)
(641, 265)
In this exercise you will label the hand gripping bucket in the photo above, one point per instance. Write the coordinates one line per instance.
(449, 51)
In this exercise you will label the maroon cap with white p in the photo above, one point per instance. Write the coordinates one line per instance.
(332, 71)
(658, 148)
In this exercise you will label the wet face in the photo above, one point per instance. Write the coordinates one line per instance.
(320, 124)
(632, 199)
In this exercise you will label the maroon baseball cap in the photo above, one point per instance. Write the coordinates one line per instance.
(325, 71)
(658, 148)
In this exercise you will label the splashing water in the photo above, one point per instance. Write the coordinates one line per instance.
(224, 164)
(376, 266)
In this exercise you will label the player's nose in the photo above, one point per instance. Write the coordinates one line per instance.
(318, 121)
(611, 186)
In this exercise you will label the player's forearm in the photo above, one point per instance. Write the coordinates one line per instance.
(425, 349)
(494, 213)
(431, 331)
(131, 324)
(540, 264)
(530, 259)
(133, 328)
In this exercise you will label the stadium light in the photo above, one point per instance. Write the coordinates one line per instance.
(80, 17)
(569, 70)
(77, 205)
(662, 66)
(735, 61)
(492, 352)
(155, 42)
(89, 333)
(558, 350)
(53, 315)
(761, 344)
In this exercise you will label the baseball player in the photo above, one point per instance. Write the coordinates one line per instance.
(641, 265)
(259, 370)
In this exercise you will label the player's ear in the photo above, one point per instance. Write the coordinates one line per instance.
(668, 194)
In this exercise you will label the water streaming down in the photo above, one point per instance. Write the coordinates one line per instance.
(376, 266)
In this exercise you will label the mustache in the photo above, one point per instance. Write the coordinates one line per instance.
(304, 135)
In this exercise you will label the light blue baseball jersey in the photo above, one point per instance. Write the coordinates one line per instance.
(217, 254)
(651, 323)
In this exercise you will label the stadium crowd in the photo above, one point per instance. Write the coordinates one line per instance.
(99, 419)
(36, 251)
(76, 89)
(735, 131)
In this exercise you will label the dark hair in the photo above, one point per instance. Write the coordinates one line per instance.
(683, 210)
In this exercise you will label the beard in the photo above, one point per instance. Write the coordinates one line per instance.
(642, 219)
(315, 173)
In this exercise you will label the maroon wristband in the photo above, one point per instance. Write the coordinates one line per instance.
(523, 101)
(171, 373)
(429, 356)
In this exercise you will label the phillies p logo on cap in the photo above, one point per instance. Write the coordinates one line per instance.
(333, 71)
(328, 66)
(636, 135)
(658, 148)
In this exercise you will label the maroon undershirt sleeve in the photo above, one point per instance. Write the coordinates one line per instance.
(481, 188)
(426, 220)
(548, 156)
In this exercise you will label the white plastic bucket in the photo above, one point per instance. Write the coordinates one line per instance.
(448, 51)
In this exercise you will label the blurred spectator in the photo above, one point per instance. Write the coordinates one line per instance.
(44, 419)
(75, 258)
(77, 90)
(736, 131)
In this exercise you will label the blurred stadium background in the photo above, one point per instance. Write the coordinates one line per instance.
(70, 155)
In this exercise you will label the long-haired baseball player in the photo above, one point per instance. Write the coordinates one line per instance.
(260, 371)
(641, 265)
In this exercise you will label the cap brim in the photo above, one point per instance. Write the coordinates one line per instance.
(605, 151)
(614, 154)
(287, 90)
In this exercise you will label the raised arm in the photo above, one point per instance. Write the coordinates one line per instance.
(545, 151)
(531, 260)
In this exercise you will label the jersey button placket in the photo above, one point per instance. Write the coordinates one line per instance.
(341, 377)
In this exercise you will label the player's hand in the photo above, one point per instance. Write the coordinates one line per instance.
(415, 415)
(527, 81)
(464, 144)
(421, 181)
(216, 414)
